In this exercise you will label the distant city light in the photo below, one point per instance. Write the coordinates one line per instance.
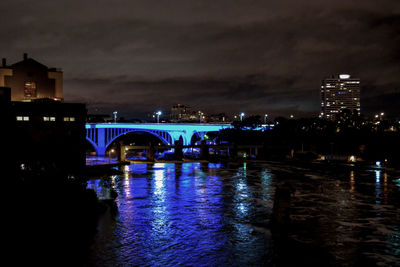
(378, 163)
(344, 76)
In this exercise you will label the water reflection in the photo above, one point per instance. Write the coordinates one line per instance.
(397, 182)
(385, 187)
(266, 186)
(127, 188)
(352, 183)
(195, 214)
(378, 187)
(241, 198)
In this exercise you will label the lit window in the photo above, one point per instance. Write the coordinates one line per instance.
(69, 118)
(29, 89)
(46, 118)
(52, 118)
(25, 118)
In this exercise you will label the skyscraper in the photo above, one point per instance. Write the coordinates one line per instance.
(339, 92)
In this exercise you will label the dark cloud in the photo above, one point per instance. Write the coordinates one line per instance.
(217, 56)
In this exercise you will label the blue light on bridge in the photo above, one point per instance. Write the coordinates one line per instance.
(101, 135)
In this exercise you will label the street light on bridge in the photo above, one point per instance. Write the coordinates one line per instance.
(265, 118)
(201, 115)
(115, 115)
(158, 116)
(241, 116)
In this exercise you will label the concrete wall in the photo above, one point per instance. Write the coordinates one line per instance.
(3, 73)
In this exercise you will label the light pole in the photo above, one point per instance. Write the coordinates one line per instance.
(115, 115)
(158, 116)
(265, 118)
(201, 115)
(241, 116)
(109, 155)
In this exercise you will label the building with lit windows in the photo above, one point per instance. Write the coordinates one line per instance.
(340, 92)
(30, 80)
(43, 135)
(182, 113)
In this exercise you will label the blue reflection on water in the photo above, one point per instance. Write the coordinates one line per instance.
(214, 165)
(176, 205)
(137, 168)
(195, 214)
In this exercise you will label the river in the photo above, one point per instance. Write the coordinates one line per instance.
(208, 214)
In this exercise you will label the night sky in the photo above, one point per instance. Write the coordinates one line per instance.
(216, 56)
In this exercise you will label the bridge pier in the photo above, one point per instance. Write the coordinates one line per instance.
(101, 151)
(204, 150)
(150, 153)
(178, 151)
(101, 142)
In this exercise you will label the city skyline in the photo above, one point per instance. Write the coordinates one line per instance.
(219, 57)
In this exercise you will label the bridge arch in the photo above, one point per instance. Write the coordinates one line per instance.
(94, 145)
(162, 135)
(101, 139)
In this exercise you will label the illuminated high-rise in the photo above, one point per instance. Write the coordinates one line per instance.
(338, 93)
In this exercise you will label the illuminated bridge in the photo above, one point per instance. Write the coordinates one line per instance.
(101, 135)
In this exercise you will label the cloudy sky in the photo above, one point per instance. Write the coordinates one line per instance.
(217, 56)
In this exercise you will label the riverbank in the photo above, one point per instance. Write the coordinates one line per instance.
(51, 219)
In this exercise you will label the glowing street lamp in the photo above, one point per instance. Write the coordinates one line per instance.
(265, 118)
(158, 116)
(115, 115)
(111, 151)
(201, 115)
(241, 116)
